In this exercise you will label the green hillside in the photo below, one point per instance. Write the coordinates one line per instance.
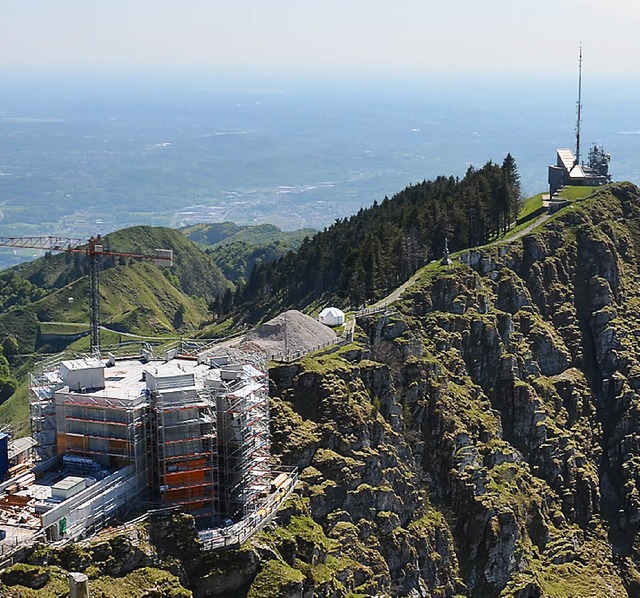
(223, 233)
(238, 258)
(136, 296)
(193, 271)
(238, 249)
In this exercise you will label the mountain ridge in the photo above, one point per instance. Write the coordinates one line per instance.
(477, 438)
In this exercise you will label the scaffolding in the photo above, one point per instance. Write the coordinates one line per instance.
(244, 441)
(185, 451)
(192, 431)
(44, 381)
(108, 430)
(212, 439)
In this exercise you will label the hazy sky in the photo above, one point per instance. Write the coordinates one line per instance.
(366, 35)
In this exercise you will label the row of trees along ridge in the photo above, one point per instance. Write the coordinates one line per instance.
(363, 257)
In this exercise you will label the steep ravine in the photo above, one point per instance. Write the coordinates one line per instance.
(480, 439)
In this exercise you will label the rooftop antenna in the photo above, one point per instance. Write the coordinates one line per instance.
(579, 107)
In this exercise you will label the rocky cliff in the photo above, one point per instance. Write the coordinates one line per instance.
(480, 439)
(484, 441)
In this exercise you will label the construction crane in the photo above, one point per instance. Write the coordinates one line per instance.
(92, 248)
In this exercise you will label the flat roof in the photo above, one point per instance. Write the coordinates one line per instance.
(20, 445)
(122, 381)
(83, 364)
(68, 482)
(126, 379)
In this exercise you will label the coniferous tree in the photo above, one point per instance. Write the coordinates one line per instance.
(363, 257)
(512, 183)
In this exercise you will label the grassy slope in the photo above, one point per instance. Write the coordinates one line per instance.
(222, 233)
(574, 193)
(530, 206)
(15, 410)
(194, 270)
(136, 297)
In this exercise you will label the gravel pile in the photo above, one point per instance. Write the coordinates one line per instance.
(291, 332)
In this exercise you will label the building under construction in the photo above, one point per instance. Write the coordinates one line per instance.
(189, 431)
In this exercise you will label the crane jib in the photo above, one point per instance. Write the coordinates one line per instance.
(48, 243)
(93, 248)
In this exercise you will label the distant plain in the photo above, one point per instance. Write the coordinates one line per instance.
(87, 153)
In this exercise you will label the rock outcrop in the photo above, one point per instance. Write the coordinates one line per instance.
(484, 441)
(481, 439)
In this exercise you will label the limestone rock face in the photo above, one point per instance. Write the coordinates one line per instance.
(362, 483)
(480, 439)
(28, 576)
(494, 424)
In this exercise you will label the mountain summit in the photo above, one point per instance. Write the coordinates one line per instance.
(479, 437)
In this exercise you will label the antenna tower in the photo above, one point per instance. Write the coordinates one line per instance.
(579, 107)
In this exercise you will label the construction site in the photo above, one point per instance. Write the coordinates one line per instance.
(116, 436)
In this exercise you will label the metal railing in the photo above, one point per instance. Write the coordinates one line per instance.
(219, 537)
(367, 311)
(235, 535)
(12, 547)
(289, 356)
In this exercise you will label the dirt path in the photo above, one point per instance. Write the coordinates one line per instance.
(521, 233)
(395, 295)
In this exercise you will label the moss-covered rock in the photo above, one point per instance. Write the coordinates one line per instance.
(30, 576)
(276, 579)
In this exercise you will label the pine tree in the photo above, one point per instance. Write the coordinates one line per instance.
(512, 183)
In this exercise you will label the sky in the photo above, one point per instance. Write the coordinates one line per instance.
(333, 36)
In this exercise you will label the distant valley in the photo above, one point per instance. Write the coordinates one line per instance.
(81, 157)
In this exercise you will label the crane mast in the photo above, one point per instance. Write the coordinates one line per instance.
(92, 248)
(94, 297)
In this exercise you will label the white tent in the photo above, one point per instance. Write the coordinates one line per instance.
(331, 316)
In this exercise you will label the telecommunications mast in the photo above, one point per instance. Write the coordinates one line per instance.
(579, 107)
